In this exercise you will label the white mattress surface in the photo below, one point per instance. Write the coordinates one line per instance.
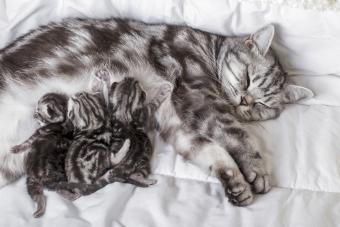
(302, 144)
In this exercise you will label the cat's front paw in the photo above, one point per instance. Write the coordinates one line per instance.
(236, 188)
(243, 113)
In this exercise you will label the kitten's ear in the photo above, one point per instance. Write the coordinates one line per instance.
(293, 93)
(262, 39)
(113, 86)
(49, 111)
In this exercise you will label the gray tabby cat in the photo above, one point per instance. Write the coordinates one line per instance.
(218, 81)
(45, 163)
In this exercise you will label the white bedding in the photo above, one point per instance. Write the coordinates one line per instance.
(302, 145)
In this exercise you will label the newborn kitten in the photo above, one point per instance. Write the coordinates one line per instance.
(92, 153)
(44, 165)
(131, 117)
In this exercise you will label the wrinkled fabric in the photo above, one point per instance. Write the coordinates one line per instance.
(302, 145)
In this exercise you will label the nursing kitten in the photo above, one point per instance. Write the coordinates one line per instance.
(48, 146)
(131, 117)
(91, 154)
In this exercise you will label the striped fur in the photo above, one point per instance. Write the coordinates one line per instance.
(91, 154)
(218, 83)
(128, 108)
(48, 146)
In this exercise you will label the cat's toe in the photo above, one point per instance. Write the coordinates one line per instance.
(15, 149)
(237, 189)
(260, 182)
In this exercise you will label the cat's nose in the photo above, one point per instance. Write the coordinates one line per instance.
(247, 100)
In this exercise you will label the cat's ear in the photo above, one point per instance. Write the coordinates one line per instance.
(293, 93)
(262, 39)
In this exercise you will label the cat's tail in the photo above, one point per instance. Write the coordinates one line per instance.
(35, 190)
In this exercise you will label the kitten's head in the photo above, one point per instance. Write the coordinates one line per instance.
(126, 100)
(253, 78)
(51, 108)
(86, 111)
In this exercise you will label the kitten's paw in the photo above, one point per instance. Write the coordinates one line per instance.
(103, 75)
(140, 180)
(100, 80)
(236, 188)
(165, 90)
(243, 113)
(68, 195)
(17, 149)
(259, 180)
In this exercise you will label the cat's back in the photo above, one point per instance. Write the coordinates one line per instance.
(86, 158)
(47, 155)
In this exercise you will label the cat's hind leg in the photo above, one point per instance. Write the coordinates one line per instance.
(35, 190)
(211, 156)
(249, 158)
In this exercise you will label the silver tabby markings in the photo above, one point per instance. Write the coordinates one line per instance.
(219, 82)
(128, 107)
(45, 163)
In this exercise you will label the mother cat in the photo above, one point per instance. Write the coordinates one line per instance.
(218, 83)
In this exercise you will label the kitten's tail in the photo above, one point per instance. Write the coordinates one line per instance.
(35, 190)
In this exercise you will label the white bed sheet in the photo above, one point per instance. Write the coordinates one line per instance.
(303, 144)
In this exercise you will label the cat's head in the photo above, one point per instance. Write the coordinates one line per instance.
(253, 78)
(86, 111)
(51, 108)
(126, 100)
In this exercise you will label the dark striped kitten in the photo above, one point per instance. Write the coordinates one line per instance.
(45, 163)
(131, 117)
(93, 152)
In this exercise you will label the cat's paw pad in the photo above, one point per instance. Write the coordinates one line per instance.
(260, 181)
(236, 188)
